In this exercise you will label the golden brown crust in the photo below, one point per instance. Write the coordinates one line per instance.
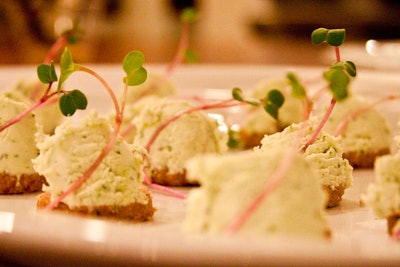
(250, 140)
(364, 160)
(334, 195)
(26, 183)
(163, 177)
(131, 212)
(391, 222)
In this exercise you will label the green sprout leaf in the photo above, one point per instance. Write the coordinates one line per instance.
(190, 56)
(298, 89)
(350, 67)
(133, 66)
(318, 36)
(47, 73)
(334, 37)
(238, 95)
(189, 15)
(67, 67)
(273, 102)
(338, 81)
(72, 101)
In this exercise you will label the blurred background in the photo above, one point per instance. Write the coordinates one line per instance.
(227, 31)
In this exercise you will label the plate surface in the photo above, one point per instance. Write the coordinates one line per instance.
(30, 237)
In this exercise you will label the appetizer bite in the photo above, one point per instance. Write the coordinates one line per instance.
(18, 148)
(365, 137)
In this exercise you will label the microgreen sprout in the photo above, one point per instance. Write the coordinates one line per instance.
(338, 75)
(47, 75)
(272, 102)
(188, 17)
(135, 74)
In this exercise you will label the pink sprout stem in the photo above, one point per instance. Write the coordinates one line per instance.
(220, 104)
(396, 235)
(59, 44)
(269, 187)
(86, 175)
(342, 125)
(26, 112)
(107, 87)
(320, 125)
(162, 188)
(182, 46)
(111, 142)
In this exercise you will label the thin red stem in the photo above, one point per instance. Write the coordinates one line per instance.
(182, 46)
(220, 104)
(320, 125)
(270, 185)
(26, 112)
(107, 87)
(86, 175)
(357, 112)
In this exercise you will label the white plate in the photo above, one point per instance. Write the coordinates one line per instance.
(29, 237)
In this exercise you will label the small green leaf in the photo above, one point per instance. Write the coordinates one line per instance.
(273, 102)
(237, 94)
(338, 83)
(276, 97)
(133, 61)
(47, 73)
(272, 110)
(189, 15)
(351, 68)
(137, 77)
(67, 67)
(318, 36)
(298, 89)
(133, 67)
(72, 101)
(335, 37)
(191, 56)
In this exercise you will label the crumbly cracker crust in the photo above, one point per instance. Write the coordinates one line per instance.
(25, 183)
(163, 177)
(391, 222)
(250, 140)
(364, 160)
(131, 212)
(334, 195)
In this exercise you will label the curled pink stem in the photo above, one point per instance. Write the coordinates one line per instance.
(342, 125)
(270, 185)
(320, 125)
(220, 104)
(86, 175)
(26, 112)
(182, 46)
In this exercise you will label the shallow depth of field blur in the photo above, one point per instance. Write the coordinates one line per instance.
(227, 31)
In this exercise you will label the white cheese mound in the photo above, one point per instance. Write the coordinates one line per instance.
(384, 194)
(257, 120)
(324, 154)
(367, 132)
(17, 142)
(230, 183)
(191, 134)
(67, 154)
(47, 116)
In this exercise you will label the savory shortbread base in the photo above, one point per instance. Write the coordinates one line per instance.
(25, 183)
(130, 212)
(364, 160)
(163, 177)
(334, 195)
(391, 222)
